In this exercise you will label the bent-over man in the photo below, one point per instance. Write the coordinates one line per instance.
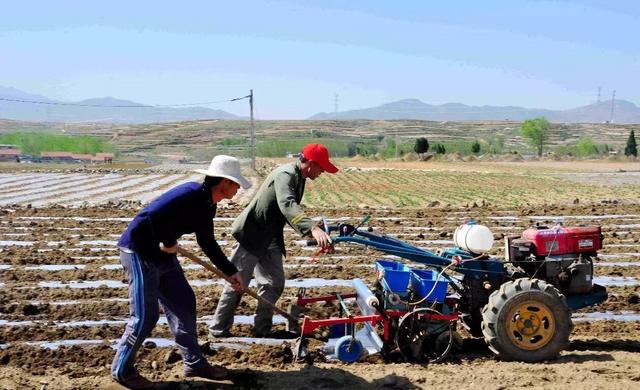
(148, 254)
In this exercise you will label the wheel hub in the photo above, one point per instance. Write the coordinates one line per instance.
(531, 325)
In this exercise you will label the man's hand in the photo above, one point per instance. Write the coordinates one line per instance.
(169, 249)
(237, 284)
(323, 239)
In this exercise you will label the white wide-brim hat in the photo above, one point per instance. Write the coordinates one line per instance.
(227, 167)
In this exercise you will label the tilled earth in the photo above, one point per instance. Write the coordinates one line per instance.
(60, 282)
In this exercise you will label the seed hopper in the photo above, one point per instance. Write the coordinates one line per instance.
(520, 305)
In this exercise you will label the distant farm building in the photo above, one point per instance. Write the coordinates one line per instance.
(68, 157)
(103, 158)
(82, 158)
(9, 153)
(56, 157)
(176, 158)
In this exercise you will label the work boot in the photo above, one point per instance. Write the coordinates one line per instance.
(260, 333)
(217, 334)
(216, 373)
(283, 334)
(135, 382)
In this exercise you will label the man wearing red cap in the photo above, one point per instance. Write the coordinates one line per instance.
(259, 232)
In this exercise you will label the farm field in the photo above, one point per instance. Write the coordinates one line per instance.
(63, 297)
(421, 188)
(201, 139)
(361, 183)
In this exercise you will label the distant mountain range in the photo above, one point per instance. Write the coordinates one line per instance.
(623, 112)
(110, 110)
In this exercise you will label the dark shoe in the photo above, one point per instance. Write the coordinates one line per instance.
(277, 334)
(261, 333)
(216, 373)
(283, 334)
(135, 382)
(223, 334)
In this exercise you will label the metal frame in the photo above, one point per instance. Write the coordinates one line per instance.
(309, 324)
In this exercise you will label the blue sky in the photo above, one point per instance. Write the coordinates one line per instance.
(297, 54)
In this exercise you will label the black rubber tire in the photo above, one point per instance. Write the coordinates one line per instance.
(495, 321)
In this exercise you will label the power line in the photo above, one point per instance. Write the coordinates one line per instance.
(203, 103)
(121, 106)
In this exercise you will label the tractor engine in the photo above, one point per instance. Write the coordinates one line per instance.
(559, 255)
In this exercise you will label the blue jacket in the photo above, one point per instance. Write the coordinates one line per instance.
(184, 209)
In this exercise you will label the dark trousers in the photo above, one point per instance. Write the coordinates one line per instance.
(152, 282)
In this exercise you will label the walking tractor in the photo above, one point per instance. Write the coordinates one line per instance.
(520, 305)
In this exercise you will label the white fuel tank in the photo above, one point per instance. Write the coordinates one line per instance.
(473, 238)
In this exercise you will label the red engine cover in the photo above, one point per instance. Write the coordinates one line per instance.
(560, 240)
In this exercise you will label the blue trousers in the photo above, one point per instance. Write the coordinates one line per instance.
(152, 283)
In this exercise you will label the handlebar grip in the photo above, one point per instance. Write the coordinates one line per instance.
(312, 242)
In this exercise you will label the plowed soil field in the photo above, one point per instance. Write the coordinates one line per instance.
(63, 304)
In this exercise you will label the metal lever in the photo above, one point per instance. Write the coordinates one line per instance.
(364, 220)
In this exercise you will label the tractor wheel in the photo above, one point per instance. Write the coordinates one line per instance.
(526, 320)
(416, 337)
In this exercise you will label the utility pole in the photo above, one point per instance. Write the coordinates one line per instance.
(613, 99)
(599, 92)
(252, 137)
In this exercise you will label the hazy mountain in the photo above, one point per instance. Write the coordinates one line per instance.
(623, 112)
(110, 110)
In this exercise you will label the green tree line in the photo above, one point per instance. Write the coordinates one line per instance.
(35, 143)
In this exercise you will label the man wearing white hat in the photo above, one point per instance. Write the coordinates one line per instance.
(148, 254)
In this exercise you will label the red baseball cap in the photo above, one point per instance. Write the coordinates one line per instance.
(319, 154)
